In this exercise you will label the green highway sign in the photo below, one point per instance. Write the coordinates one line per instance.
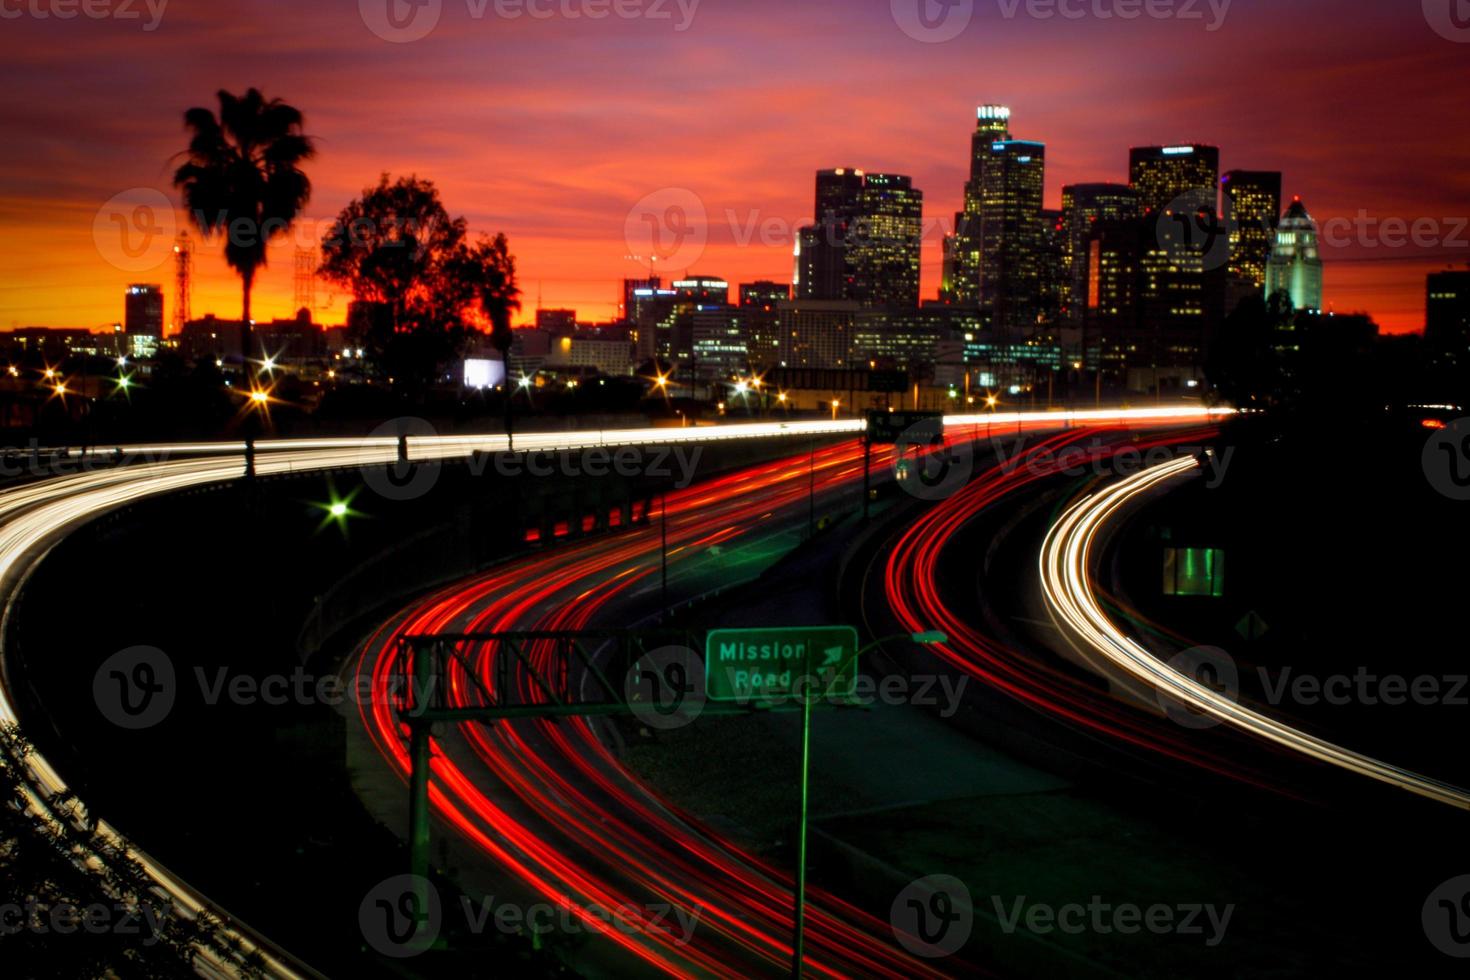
(914, 428)
(771, 664)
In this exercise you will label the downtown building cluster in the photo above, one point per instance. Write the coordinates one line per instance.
(1119, 289)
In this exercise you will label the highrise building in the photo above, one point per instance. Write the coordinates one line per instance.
(817, 333)
(1251, 201)
(561, 323)
(1177, 178)
(865, 243)
(963, 248)
(1012, 185)
(885, 243)
(1295, 266)
(1084, 206)
(143, 317)
(759, 302)
(1447, 314)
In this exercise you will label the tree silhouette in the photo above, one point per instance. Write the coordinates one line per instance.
(426, 289)
(243, 178)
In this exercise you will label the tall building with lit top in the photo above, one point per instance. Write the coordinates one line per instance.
(963, 247)
(1183, 178)
(143, 311)
(1295, 266)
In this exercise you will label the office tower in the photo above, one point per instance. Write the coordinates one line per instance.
(143, 310)
(1113, 247)
(817, 333)
(763, 293)
(719, 342)
(865, 244)
(1251, 202)
(1295, 266)
(1056, 283)
(1179, 178)
(759, 302)
(635, 288)
(1447, 313)
(1013, 180)
(651, 311)
(562, 323)
(702, 292)
(1084, 206)
(962, 281)
(884, 243)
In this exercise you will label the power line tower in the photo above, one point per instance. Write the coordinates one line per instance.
(183, 272)
(306, 265)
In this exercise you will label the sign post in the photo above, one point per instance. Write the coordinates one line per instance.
(773, 664)
(892, 428)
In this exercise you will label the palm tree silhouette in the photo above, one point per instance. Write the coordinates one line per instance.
(242, 177)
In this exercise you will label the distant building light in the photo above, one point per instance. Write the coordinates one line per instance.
(1178, 151)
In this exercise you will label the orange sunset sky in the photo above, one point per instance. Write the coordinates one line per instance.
(553, 129)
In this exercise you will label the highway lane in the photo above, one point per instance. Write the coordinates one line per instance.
(529, 793)
(1067, 561)
(34, 514)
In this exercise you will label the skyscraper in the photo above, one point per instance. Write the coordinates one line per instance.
(963, 247)
(1295, 266)
(1012, 184)
(1084, 206)
(143, 311)
(1447, 314)
(1180, 178)
(1252, 207)
(865, 243)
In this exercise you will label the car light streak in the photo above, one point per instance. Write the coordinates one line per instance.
(1066, 575)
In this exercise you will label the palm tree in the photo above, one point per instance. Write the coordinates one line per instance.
(242, 177)
(499, 298)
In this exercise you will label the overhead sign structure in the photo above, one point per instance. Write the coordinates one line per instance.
(781, 663)
(911, 428)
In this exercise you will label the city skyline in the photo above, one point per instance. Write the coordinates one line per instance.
(567, 225)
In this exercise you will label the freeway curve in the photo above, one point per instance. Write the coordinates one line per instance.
(1067, 567)
(34, 515)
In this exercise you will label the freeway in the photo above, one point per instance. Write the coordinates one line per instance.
(546, 800)
(1067, 576)
(35, 514)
